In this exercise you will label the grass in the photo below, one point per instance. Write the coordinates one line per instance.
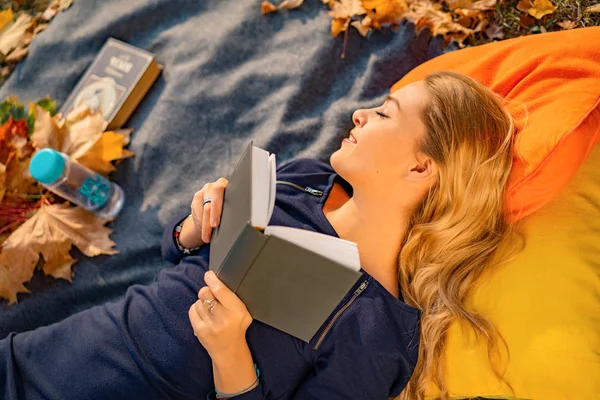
(515, 23)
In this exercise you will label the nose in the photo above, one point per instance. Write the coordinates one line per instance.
(359, 117)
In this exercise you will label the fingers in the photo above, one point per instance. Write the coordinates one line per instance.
(226, 297)
(207, 215)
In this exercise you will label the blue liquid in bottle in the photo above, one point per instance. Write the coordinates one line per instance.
(77, 183)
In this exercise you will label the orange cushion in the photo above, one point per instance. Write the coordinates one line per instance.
(557, 76)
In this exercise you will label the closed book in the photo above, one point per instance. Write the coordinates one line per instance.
(289, 278)
(115, 83)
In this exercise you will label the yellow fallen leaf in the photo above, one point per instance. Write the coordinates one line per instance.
(541, 8)
(291, 4)
(267, 7)
(51, 233)
(108, 148)
(6, 17)
(13, 35)
(592, 9)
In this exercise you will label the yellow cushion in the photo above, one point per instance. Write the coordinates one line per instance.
(546, 304)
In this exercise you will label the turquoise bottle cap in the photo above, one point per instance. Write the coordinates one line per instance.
(46, 166)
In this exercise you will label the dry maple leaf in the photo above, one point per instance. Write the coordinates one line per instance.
(14, 35)
(83, 130)
(51, 233)
(426, 13)
(46, 132)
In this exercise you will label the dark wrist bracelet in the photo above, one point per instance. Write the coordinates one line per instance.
(176, 234)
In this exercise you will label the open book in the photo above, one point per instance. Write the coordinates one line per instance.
(289, 278)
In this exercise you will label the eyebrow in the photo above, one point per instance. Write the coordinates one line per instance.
(395, 101)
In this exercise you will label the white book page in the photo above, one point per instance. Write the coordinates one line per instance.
(261, 188)
(272, 185)
(339, 250)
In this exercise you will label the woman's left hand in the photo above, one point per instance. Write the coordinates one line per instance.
(220, 324)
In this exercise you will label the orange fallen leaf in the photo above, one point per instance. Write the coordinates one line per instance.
(81, 135)
(267, 7)
(338, 25)
(426, 13)
(541, 8)
(51, 233)
(362, 28)
(385, 11)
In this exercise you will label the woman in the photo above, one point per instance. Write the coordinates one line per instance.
(418, 186)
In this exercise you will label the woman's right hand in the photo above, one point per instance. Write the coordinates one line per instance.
(205, 217)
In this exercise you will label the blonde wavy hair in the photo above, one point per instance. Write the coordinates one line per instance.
(461, 229)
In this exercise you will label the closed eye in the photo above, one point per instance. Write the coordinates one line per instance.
(382, 115)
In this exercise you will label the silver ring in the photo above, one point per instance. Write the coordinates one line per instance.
(206, 200)
(210, 304)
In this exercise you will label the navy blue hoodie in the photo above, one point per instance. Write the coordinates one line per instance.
(143, 346)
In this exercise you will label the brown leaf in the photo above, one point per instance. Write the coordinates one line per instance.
(13, 35)
(108, 148)
(524, 5)
(566, 24)
(481, 5)
(267, 7)
(291, 4)
(541, 8)
(9, 288)
(592, 9)
(526, 20)
(51, 233)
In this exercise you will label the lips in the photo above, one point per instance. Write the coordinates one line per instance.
(352, 138)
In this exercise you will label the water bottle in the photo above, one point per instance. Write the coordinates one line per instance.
(76, 183)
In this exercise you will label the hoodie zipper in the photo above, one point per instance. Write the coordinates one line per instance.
(337, 315)
(314, 192)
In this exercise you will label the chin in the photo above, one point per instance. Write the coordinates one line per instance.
(339, 163)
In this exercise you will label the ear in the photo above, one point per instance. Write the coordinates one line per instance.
(422, 170)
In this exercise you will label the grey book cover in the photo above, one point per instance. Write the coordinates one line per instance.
(282, 284)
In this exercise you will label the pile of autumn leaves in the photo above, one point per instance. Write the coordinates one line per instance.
(456, 20)
(34, 221)
(17, 30)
